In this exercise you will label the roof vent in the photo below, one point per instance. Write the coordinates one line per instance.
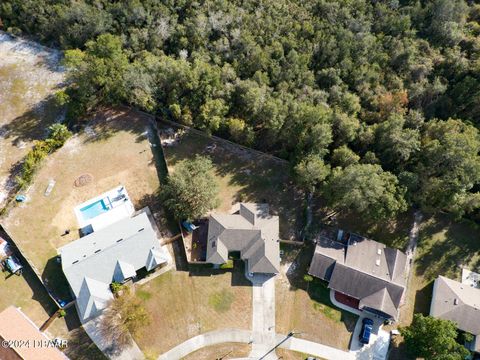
(379, 251)
(141, 229)
(119, 240)
(455, 301)
(97, 251)
(76, 261)
(377, 262)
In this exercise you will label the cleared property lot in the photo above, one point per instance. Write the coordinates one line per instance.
(29, 75)
(114, 149)
(243, 175)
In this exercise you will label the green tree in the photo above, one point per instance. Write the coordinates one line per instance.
(366, 190)
(432, 339)
(449, 164)
(191, 190)
(240, 131)
(343, 157)
(97, 74)
(311, 172)
(396, 144)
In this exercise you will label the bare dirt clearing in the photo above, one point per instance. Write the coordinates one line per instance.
(29, 76)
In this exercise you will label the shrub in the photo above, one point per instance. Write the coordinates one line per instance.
(116, 287)
(62, 313)
(227, 265)
(308, 278)
(57, 136)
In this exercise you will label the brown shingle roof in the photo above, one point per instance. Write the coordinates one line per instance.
(364, 269)
(252, 231)
(460, 303)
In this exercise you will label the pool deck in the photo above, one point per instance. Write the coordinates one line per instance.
(119, 206)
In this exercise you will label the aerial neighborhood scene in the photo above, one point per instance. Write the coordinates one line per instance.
(254, 180)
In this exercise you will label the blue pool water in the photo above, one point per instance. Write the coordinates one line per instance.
(94, 209)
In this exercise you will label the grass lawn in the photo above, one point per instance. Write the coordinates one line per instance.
(292, 355)
(444, 247)
(228, 351)
(244, 176)
(114, 150)
(27, 293)
(305, 307)
(183, 305)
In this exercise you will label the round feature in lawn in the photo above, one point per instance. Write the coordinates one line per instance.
(83, 180)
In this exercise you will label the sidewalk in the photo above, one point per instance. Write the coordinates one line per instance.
(207, 339)
(315, 349)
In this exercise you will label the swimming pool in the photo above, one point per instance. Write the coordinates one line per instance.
(94, 209)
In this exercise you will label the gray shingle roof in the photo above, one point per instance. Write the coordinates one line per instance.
(452, 300)
(366, 270)
(252, 231)
(93, 262)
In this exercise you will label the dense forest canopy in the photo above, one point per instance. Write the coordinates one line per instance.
(353, 92)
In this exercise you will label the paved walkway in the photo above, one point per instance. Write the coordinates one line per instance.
(412, 244)
(313, 348)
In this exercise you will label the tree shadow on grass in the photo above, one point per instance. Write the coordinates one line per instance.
(423, 299)
(445, 246)
(33, 123)
(39, 292)
(258, 177)
(55, 280)
(108, 121)
(238, 272)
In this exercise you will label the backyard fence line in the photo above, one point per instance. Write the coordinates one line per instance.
(214, 137)
(26, 261)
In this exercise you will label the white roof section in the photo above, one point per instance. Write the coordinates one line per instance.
(93, 297)
(155, 258)
(117, 204)
(123, 271)
(112, 253)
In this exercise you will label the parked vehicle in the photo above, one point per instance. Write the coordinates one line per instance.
(13, 265)
(367, 326)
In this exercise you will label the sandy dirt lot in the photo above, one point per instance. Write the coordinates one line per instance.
(29, 75)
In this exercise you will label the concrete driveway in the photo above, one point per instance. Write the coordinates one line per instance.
(379, 340)
(263, 316)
